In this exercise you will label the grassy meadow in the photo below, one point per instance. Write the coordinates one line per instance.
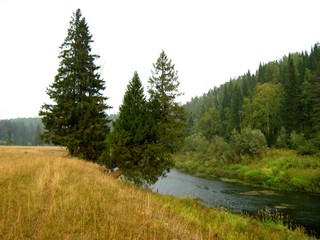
(45, 194)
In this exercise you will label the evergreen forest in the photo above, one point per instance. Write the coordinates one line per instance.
(281, 100)
(21, 131)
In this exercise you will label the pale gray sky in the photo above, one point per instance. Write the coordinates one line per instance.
(209, 41)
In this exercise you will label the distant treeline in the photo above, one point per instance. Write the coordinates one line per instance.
(282, 99)
(21, 131)
(26, 131)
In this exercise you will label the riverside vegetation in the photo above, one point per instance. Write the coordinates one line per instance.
(247, 158)
(235, 128)
(46, 194)
(276, 168)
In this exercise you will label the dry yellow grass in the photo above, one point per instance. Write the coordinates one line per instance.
(47, 195)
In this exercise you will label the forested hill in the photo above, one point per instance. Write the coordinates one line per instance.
(282, 98)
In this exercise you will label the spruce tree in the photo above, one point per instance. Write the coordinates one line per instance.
(167, 116)
(291, 108)
(76, 118)
(129, 138)
(308, 95)
(235, 107)
(315, 105)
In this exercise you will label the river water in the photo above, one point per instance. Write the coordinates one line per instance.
(302, 208)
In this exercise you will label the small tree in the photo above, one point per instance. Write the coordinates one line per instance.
(283, 139)
(77, 117)
(296, 140)
(248, 142)
(196, 143)
(219, 148)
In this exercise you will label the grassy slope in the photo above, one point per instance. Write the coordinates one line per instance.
(277, 168)
(47, 195)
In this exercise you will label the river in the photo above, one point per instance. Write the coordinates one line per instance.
(302, 208)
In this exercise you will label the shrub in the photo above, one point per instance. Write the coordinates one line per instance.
(303, 146)
(196, 143)
(316, 141)
(307, 148)
(219, 148)
(315, 183)
(296, 140)
(282, 139)
(255, 176)
(248, 142)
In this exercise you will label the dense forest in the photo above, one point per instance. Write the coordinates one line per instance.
(21, 131)
(282, 100)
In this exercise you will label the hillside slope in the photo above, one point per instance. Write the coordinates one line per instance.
(47, 195)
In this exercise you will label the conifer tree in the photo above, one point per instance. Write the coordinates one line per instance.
(315, 105)
(129, 139)
(76, 118)
(167, 116)
(291, 111)
(225, 102)
(307, 99)
(314, 63)
(235, 107)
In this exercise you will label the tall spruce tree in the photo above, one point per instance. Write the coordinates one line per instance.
(76, 118)
(291, 108)
(315, 105)
(312, 91)
(168, 117)
(235, 107)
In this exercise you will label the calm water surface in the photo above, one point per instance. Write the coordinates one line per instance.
(303, 209)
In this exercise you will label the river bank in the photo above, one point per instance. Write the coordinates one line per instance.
(293, 208)
(277, 168)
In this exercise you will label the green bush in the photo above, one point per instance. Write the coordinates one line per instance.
(248, 142)
(255, 176)
(282, 140)
(316, 141)
(303, 146)
(315, 183)
(196, 143)
(307, 148)
(219, 148)
(296, 140)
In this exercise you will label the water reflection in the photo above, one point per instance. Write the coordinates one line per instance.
(304, 209)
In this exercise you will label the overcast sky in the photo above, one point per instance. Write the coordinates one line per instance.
(209, 42)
